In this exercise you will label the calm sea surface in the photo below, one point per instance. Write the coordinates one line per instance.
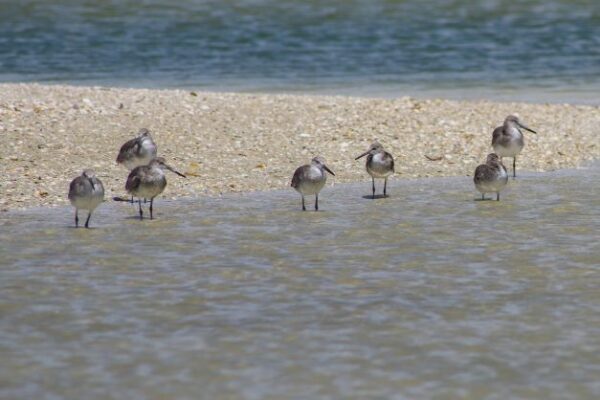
(426, 294)
(534, 50)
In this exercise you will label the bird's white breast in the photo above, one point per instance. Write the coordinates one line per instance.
(88, 201)
(511, 149)
(313, 182)
(152, 185)
(379, 167)
(493, 185)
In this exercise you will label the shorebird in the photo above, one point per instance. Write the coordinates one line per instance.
(310, 179)
(491, 176)
(508, 141)
(137, 151)
(380, 164)
(148, 181)
(86, 192)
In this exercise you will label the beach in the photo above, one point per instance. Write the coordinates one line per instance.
(223, 287)
(241, 142)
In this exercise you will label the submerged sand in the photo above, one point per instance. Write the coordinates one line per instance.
(230, 142)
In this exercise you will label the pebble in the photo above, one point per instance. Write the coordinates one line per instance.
(234, 137)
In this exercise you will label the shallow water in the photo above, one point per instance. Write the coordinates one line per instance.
(539, 50)
(426, 294)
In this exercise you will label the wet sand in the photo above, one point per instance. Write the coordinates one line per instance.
(229, 142)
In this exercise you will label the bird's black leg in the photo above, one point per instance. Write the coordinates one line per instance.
(140, 206)
(317, 202)
(87, 221)
(303, 206)
(384, 187)
(76, 219)
(498, 196)
(131, 199)
(482, 196)
(514, 167)
(373, 179)
(151, 202)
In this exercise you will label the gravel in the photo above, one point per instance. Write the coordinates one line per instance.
(231, 142)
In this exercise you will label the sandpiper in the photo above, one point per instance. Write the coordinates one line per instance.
(86, 192)
(148, 181)
(310, 179)
(508, 141)
(380, 164)
(490, 177)
(138, 151)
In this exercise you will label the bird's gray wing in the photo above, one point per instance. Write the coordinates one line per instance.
(481, 172)
(133, 180)
(75, 187)
(128, 149)
(497, 134)
(298, 175)
(99, 187)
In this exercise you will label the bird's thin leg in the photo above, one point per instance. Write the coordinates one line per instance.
(384, 187)
(317, 202)
(498, 196)
(303, 206)
(151, 202)
(131, 199)
(140, 206)
(482, 196)
(373, 179)
(514, 167)
(145, 201)
(87, 221)
(76, 219)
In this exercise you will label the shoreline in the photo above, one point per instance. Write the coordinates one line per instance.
(575, 95)
(244, 142)
(331, 185)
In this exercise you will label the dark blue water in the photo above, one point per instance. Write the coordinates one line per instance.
(495, 47)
